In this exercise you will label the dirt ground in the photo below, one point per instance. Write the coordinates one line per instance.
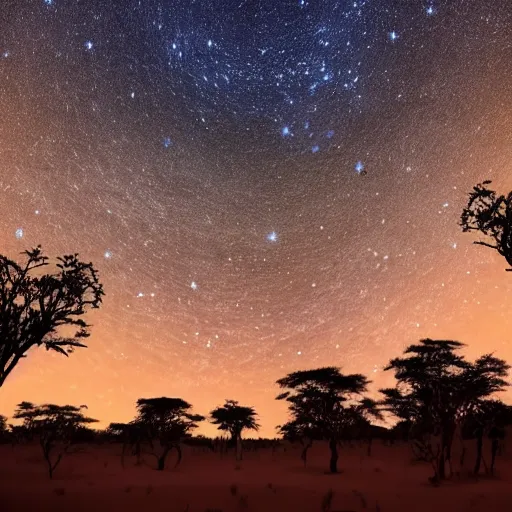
(387, 481)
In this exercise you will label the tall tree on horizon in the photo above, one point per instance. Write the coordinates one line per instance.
(234, 418)
(132, 434)
(167, 421)
(437, 389)
(323, 399)
(302, 430)
(491, 215)
(35, 307)
(56, 427)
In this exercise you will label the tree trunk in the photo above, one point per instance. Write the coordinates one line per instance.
(305, 447)
(333, 463)
(137, 452)
(161, 459)
(479, 443)
(445, 455)
(494, 451)
(238, 447)
(441, 473)
(178, 449)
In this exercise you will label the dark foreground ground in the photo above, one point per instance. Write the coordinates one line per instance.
(93, 480)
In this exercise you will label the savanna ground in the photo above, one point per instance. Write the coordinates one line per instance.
(388, 480)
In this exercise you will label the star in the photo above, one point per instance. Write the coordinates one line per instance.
(272, 237)
(393, 36)
(193, 285)
(88, 45)
(359, 167)
(19, 233)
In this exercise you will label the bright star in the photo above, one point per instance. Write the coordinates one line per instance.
(272, 237)
(285, 131)
(430, 10)
(88, 45)
(193, 285)
(393, 36)
(167, 142)
(19, 233)
(315, 149)
(359, 167)
(108, 254)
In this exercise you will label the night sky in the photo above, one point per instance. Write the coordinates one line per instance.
(264, 186)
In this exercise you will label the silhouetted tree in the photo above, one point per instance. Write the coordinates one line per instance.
(234, 418)
(55, 426)
(491, 215)
(28, 412)
(302, 430)
(132, 435)
(436, 390)
(361, 415)
(4, 429)
(488, 418)
(166, 421)
(323, 399)
(36, 307)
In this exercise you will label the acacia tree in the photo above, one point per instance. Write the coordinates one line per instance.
(166, 421)
(322, 399)
(36, 307)
(436, 390)
(235, 418)
(362, 413)
(56, 427)
(491, 215)
(4, 432)
(302, 430)
(132, 435)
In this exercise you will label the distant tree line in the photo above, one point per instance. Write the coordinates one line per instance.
(439, 397)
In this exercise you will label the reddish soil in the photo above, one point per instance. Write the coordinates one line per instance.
(387, 481)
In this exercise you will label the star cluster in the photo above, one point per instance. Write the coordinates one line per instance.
(263, 186)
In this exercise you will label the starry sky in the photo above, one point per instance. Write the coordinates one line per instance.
(264, 187)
